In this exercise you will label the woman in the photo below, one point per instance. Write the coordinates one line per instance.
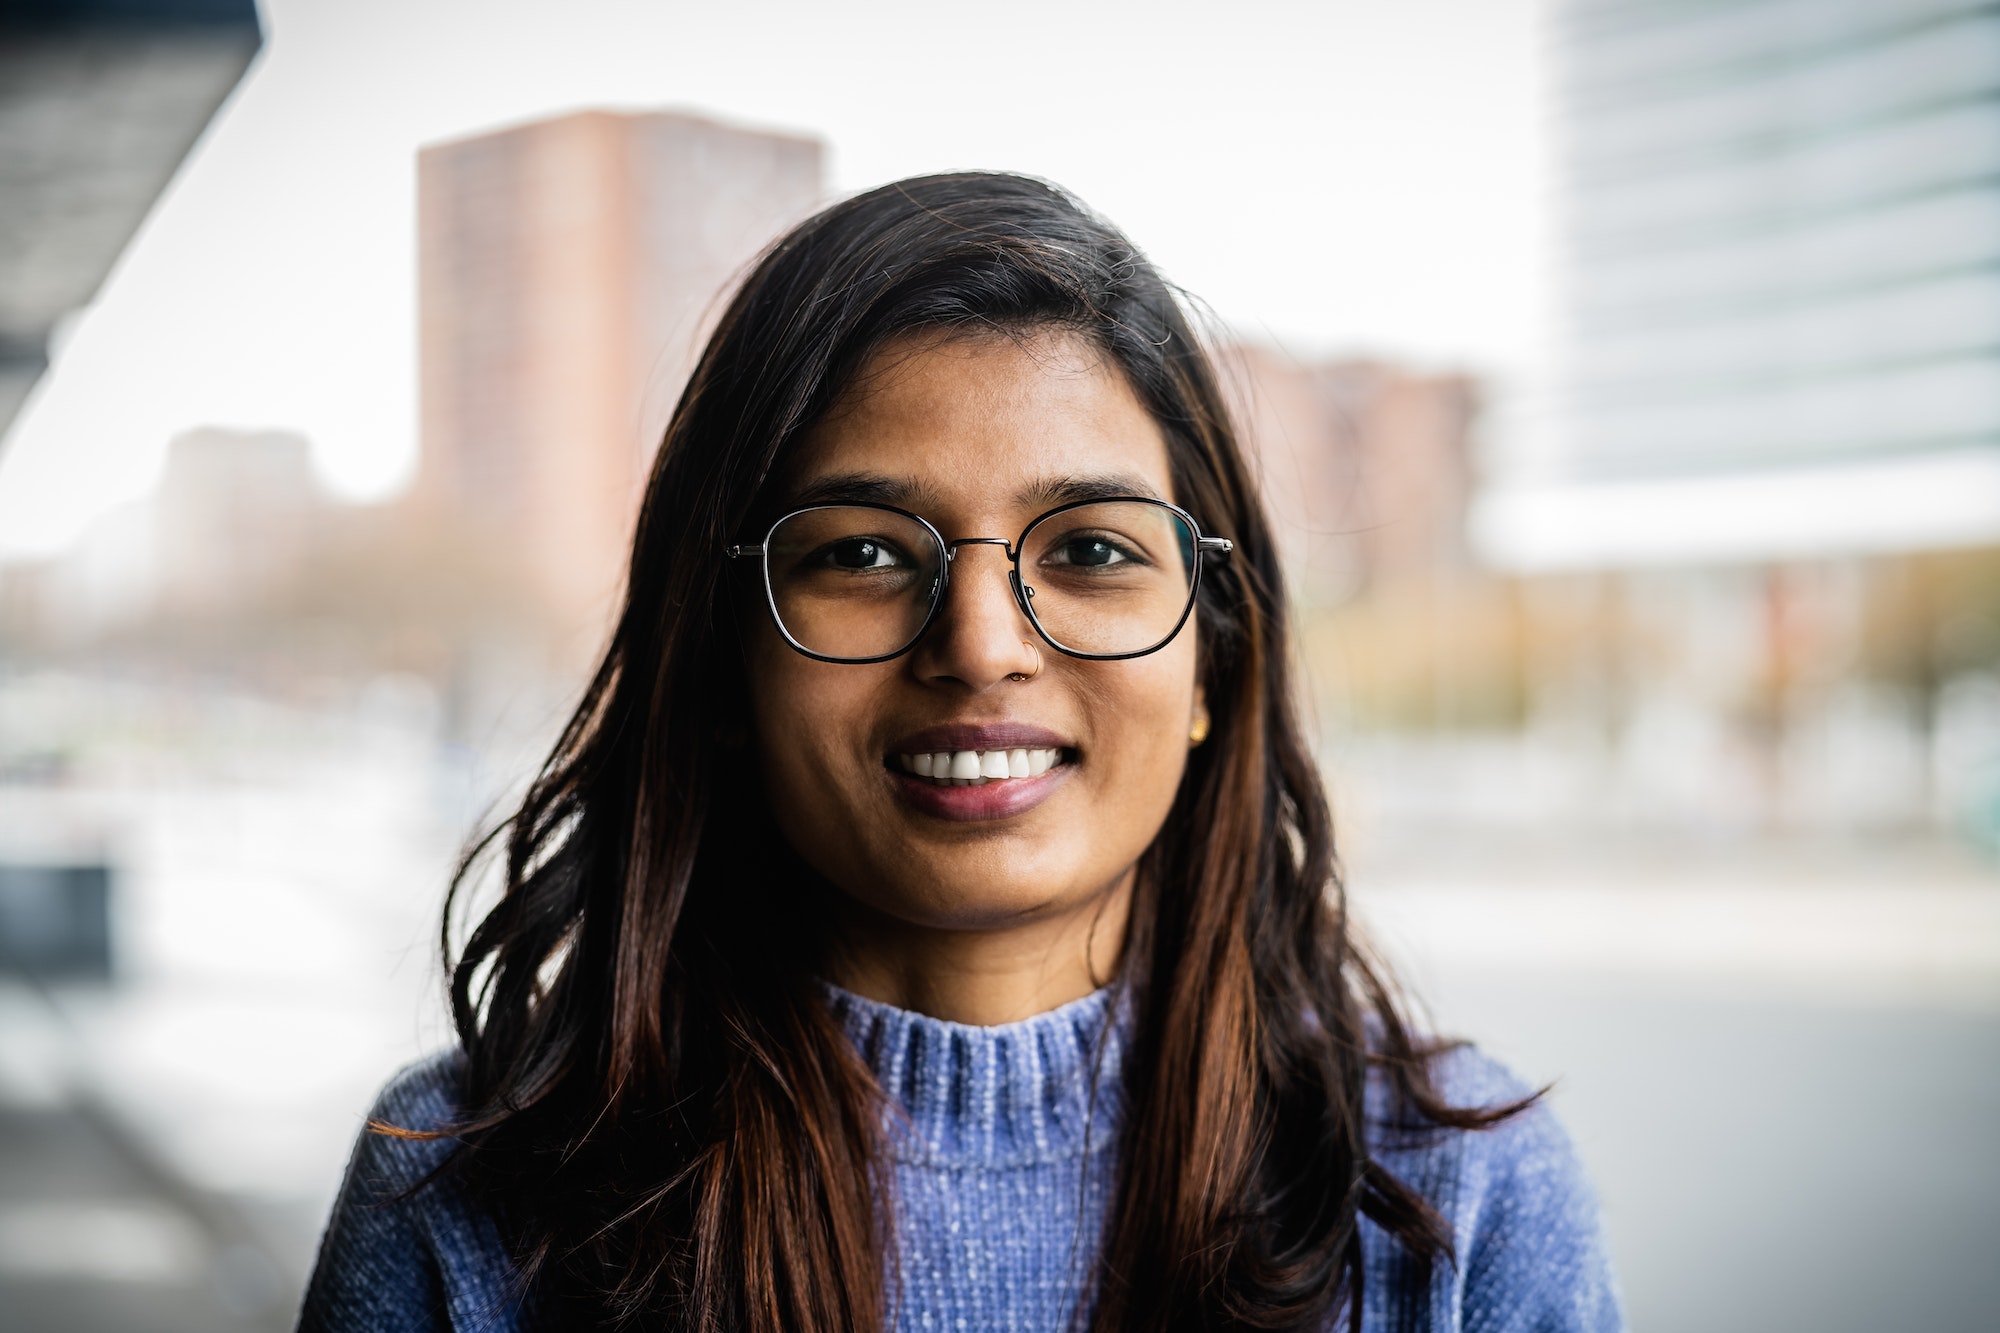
(929, 918)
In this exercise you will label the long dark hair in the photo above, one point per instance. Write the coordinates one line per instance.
(658, 1105)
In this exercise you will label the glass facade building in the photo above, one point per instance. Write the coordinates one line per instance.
(1781, 258)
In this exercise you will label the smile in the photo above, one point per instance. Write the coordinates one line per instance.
(976, 768)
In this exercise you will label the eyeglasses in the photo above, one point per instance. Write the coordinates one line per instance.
(1098, 579)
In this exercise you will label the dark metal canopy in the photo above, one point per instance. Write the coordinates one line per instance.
(100, 100)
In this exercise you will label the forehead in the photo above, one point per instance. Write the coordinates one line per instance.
(984, 426)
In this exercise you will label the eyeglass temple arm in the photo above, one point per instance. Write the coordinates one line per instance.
(738, 552)
(1220, 545)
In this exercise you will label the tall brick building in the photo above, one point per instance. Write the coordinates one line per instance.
(1366, 467)
(568, 271)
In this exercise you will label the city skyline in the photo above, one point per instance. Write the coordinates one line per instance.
(1343, 179)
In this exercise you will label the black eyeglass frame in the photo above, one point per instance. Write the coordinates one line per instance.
(1023, 595)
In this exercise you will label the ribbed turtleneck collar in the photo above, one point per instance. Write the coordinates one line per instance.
(1045, 1089)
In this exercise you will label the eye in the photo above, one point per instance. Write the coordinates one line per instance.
(1088, 551)
(862, 553)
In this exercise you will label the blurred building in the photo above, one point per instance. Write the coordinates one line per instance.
(228, 534)
(1782, 253)
(569, 271)
(1759, 530)
(236, 517)
(1366, 467)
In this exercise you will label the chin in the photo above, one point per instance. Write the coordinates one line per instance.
(944, 901)
(1010, 906)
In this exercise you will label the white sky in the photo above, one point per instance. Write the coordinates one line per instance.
(1347, 175)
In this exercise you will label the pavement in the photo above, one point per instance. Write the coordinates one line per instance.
(93, 1235)
(1781, 1063)
(1769, 1165)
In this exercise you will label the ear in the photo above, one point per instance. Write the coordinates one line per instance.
(1198, 725)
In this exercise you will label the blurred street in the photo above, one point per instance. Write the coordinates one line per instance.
(1771, 1165)
(93, 1235)
(1782, 1064)
(171, 1137)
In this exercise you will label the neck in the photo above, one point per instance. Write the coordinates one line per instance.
(983, 976)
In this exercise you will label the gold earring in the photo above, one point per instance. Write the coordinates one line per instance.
(1199, 731)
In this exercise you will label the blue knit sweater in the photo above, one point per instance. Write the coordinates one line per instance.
(1003, 1159)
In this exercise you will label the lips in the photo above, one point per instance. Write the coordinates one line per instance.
(978, 737)
(988, 771)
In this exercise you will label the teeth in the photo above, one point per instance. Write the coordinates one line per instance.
(972, 768)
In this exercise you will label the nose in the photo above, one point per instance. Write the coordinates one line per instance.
(980, 637)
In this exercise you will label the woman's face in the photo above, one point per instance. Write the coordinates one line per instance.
(978, 435)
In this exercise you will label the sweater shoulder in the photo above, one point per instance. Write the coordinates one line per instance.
(1523, 1210)
(409, 1130)
(427, 1091)
(404, 1247)
(1465, 1078)
(1469, 1076)
(1528, 1146)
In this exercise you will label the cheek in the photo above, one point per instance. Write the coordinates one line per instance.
(1144, 716)
(807, 719)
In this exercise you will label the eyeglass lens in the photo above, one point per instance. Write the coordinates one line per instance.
(1102, 579)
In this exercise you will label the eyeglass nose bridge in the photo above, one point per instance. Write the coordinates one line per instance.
(1023, 594)
(951, 548)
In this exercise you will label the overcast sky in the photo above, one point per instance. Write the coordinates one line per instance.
(1341, 176)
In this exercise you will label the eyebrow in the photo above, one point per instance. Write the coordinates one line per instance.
(864, 488)
(1099, 486)
(909, 493)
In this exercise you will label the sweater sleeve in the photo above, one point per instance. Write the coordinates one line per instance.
(378, 1270)
(1531, 1241)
